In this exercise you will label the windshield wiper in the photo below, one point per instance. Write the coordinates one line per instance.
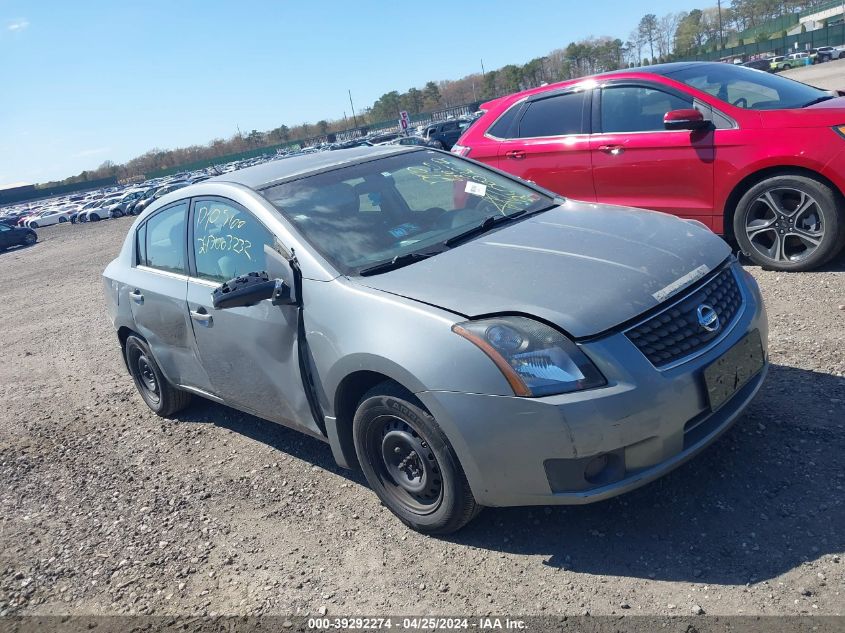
(397, 262)
(819, 100)
(486, 224)
(495, 220)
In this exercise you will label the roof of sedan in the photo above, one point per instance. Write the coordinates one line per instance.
(261, 176)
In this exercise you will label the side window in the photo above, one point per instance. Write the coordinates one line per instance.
(554, 116)
(637, 108)
(228, 241)
(165, 239)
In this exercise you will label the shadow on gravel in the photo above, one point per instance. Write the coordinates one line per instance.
(767, 496)
(17, 248)
(274, 435)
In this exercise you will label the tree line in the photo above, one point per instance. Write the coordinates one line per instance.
(653, 40)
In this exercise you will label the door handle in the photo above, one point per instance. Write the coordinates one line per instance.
(516, 154)
(201, 316)
(613, 150)
(136, 296)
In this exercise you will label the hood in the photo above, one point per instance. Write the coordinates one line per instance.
(584, 267)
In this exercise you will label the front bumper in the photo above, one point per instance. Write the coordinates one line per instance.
(534, 451)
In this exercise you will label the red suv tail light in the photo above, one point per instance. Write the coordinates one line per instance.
(461, 150)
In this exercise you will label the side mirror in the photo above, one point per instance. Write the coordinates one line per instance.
(249, 289)
(686, 119)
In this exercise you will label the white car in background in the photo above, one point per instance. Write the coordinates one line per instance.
(108, 208)
(48, 217)
(828, 53)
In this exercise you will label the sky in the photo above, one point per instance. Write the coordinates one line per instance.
(85, 82)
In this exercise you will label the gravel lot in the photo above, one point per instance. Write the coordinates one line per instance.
(105, 508)
(829, 76)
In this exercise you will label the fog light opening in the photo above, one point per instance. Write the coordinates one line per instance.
(594, 468)
(604, 468)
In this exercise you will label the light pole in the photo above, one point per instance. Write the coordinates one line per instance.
(354, 118)
(721, 34)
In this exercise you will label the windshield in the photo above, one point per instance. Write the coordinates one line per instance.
(373, 212)
(748, 88)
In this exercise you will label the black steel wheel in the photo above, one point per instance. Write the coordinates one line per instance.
(408, 467)
(409, 462)
(162, 397)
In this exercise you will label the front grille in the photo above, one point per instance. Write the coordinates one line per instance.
(675, 333)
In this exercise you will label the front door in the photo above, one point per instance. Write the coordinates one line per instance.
(5, 233)
(549, 144)
(250, 353)
(638, 163)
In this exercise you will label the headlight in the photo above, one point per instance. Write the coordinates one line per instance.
(535, 359)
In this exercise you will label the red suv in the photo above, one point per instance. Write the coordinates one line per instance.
(756, 157)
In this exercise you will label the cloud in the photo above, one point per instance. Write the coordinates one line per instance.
(91, 152)
(17, 25)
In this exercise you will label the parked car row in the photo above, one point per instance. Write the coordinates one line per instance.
(777, 63)
(103, 204)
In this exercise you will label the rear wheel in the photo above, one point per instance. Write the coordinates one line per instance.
(94, 217)
(33, 225)
(790, 223)
(62, 220)
(161, 396)
(30, 239)
(409, 463)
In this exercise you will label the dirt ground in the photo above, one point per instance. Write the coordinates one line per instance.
(105, 508)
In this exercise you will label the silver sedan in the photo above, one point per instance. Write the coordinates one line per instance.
(466, 338)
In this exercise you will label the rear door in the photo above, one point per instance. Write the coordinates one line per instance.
(156, 288)
(548, 142)
(638, 163)
(250, 353)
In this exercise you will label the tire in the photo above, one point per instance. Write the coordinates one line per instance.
(94, 217)
(436, 144)
(790, 223)
(30, 239)
(162, 397)
(396, 439)
(787, 67)
(32, 225)
(62, 220)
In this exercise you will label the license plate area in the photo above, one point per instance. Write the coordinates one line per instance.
(729, 373)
